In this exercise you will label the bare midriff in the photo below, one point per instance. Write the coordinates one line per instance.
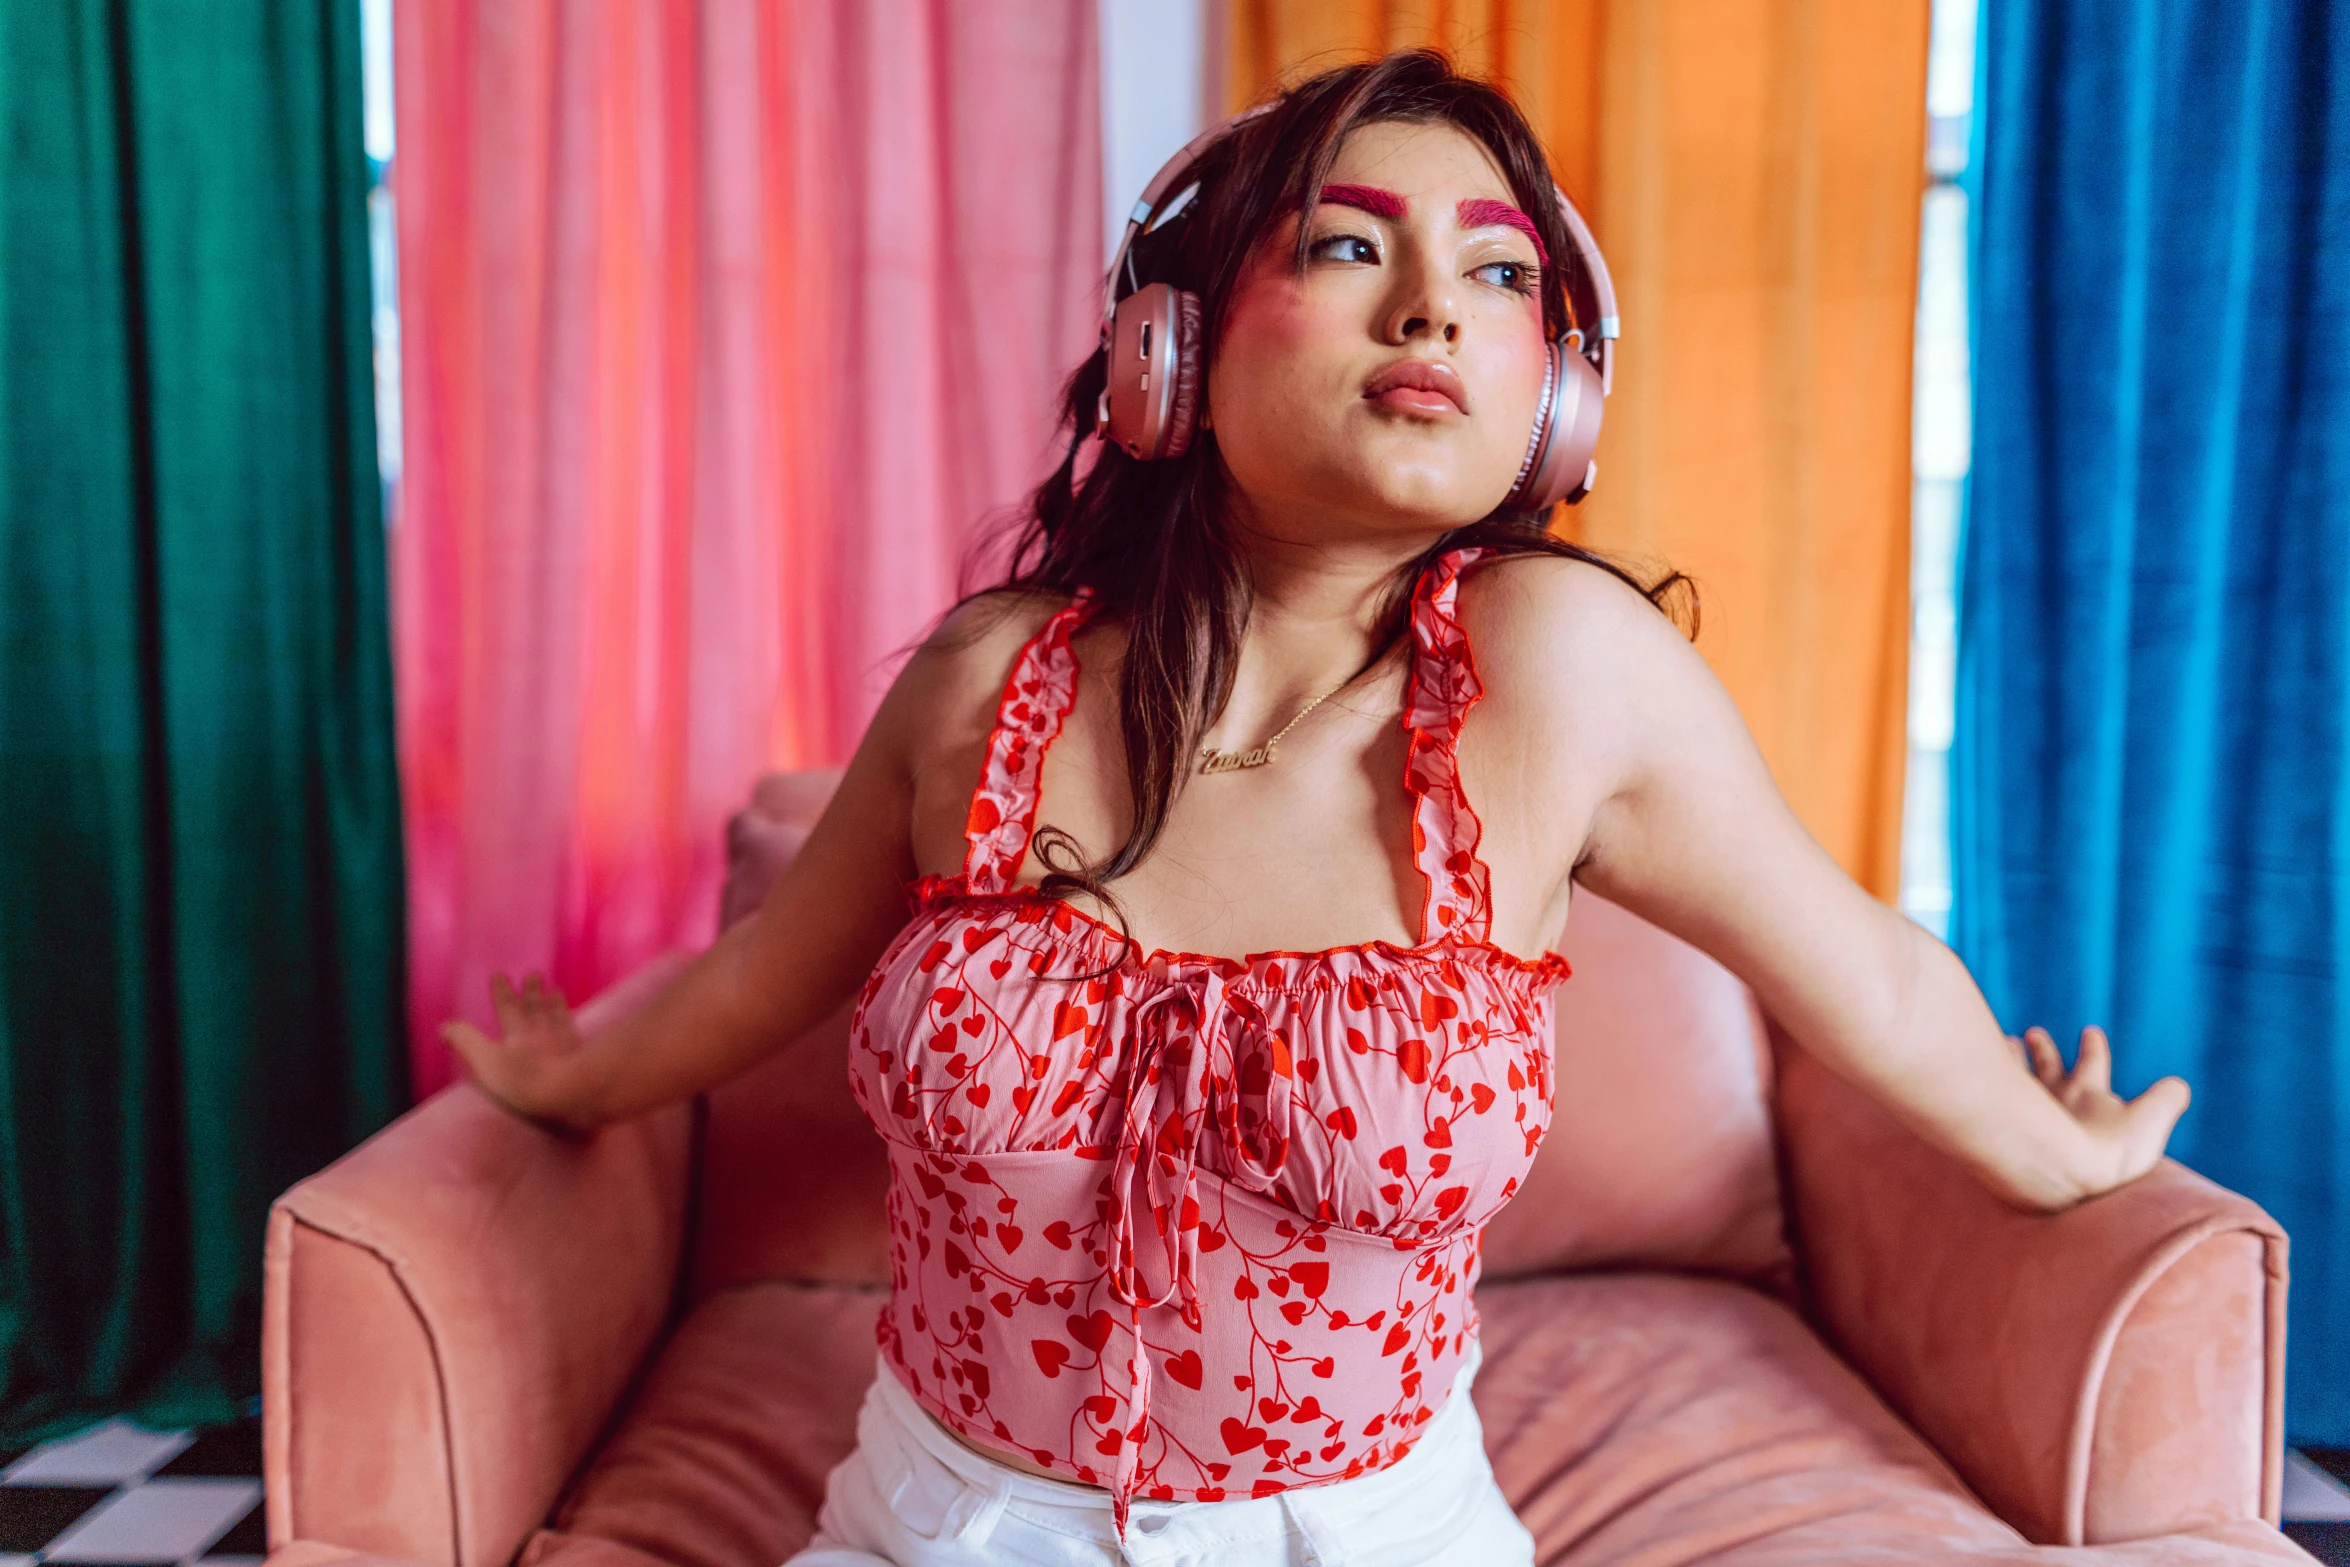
(1006, 1457)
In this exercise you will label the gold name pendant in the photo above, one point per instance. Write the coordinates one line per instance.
(1212, 760)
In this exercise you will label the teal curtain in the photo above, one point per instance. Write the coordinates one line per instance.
(200, 867)
(2150, 789)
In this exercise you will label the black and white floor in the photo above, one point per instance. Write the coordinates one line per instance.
(2317, 1502)
(120, 1494)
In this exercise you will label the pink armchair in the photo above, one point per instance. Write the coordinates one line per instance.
(1738, 1315)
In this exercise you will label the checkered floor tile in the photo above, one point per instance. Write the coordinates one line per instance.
(2317, 1502)
(122, 1495)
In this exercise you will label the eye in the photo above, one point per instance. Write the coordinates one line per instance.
(1344, 247)
(1516, 276)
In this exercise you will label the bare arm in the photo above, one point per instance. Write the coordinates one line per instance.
(1687, 829)
(770, 977)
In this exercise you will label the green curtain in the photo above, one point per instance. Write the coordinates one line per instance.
(200, 867)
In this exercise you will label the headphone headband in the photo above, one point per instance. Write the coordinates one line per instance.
(1156, 191)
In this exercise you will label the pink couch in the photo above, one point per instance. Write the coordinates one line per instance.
(1737, 1316)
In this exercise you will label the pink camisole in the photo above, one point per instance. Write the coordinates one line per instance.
(1192, 1227)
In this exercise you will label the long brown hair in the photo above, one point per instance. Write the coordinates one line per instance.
(1151, 538)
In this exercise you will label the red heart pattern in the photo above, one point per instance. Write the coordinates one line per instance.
(1257, 1186)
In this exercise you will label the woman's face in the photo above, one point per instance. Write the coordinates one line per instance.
(1391, 386)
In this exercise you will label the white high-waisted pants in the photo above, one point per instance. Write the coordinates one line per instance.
(913, 1496)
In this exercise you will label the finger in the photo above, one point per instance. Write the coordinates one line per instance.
(552, 1011)
(507, 1004)
(534, 994)
(2153, 1115)
(470, 1043)
(2093, 1066)
(2047, 1064)
(2164, 1102)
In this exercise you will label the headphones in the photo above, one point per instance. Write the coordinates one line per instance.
(1151, 335)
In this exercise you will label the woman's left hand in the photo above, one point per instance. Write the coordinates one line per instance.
(2130, 1132)
(1610, 704)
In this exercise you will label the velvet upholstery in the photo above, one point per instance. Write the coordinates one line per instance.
(791, 1175)
(451, 1313)
(2106, 1350)
(1651, 1034)
(1738, 1315)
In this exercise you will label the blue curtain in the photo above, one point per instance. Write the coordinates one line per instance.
(2151, 774)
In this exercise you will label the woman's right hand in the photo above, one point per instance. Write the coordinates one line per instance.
(535, 1066)
(776, 972)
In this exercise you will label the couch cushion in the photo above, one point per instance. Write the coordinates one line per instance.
(1640, 1418)
(765, 835)
(721, 1458)
(1661, 1151)
(792, 1176)
(1661, 1420)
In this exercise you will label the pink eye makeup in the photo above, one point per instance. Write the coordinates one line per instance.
(1484, 212)
(1366, 198)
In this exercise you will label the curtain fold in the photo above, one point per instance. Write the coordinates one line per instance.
(1753, 172)
(200, 891)
(2151, 775)
(725, 327)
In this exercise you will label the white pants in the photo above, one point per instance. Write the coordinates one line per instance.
(910, 1495)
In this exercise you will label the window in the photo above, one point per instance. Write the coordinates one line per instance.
(1941, 442)
(383, 258)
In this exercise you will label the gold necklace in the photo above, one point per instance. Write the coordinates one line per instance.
(1212, 760)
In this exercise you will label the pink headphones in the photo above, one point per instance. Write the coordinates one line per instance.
(1151, 405)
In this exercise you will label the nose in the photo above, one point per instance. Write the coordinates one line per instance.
(1425, 302)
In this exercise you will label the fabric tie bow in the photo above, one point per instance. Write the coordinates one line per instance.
(1199, 1054)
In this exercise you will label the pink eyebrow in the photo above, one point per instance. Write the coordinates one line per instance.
(1478, 212)
(1368, 198)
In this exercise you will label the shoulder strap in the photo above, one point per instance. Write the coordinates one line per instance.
(1037, 698)
(1444, 685)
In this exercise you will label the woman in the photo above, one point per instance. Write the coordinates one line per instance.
(1221, 1024)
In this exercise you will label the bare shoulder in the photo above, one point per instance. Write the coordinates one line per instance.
(1550, 629)
(957, 673)
(934, 724)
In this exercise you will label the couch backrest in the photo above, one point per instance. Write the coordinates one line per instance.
(1662, 1146)
(1660, 1153)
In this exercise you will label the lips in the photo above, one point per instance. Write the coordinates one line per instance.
(1418, 386)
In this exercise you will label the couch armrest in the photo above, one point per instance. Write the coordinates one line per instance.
(2107, 1373)
(451, 1312)
(310, 1553)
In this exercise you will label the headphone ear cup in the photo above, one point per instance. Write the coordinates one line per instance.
(1151, 398)
(1558, 465)
(1184, 376)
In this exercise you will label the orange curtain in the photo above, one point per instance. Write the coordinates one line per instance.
(1753, 170)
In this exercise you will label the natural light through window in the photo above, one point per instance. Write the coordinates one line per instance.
(375, 55)
(1940, 445)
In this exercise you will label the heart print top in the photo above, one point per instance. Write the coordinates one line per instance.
(1191, 1227)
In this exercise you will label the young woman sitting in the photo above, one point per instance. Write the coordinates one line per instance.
(1239, 821)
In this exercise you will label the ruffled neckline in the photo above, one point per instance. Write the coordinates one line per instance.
(928, 891)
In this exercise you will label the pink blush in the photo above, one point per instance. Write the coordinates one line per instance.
(1479, 212)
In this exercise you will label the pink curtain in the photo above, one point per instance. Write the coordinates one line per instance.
(724, 327)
